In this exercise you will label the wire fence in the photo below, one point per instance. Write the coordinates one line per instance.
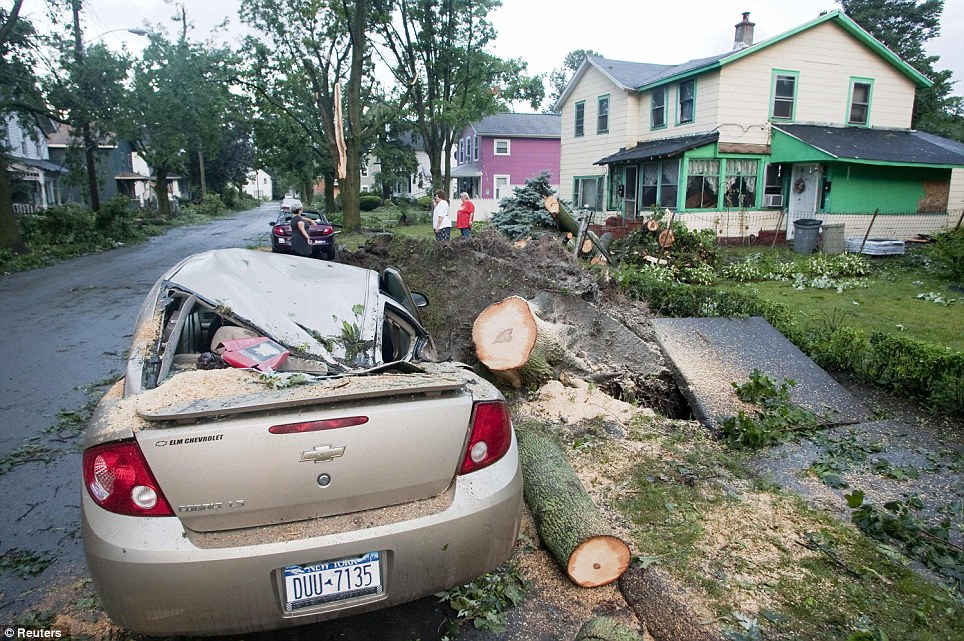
(777, 228)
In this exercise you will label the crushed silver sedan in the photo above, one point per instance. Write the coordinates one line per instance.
(283, 449)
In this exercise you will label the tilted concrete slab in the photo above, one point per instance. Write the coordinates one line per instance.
(708, 354)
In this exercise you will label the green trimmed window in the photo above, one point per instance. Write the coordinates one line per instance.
(602, 117)
(860, 93)
(587, 192)
(659, 184)
(657, 108)
(740, 183)
(687, 101)
(580, 127)
(702, 184)
(784, 95)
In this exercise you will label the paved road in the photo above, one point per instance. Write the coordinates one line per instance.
(69, 326)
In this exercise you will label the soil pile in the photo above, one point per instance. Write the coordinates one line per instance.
(463, 277)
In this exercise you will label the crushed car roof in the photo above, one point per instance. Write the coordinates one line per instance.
(311, 306)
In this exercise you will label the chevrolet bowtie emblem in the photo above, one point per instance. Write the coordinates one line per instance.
(322, 454)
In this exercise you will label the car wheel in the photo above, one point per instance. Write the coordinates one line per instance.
(330, 253)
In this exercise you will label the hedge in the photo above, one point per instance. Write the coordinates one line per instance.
(904, 366)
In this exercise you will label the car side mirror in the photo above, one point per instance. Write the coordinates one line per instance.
(420, 299)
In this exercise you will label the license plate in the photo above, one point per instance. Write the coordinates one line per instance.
(307, 585)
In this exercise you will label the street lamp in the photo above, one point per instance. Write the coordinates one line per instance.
(136, 32)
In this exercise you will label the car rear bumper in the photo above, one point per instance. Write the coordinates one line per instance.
(153, 580)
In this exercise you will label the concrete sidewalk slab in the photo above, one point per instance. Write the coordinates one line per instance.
(708, 354)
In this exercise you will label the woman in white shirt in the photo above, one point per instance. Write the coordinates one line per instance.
(441, 220)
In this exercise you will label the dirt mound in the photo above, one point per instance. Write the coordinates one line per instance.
(463, 277)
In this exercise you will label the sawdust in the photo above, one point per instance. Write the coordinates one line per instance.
(577, 403)
(752, 545)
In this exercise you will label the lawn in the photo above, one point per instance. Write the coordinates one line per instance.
(901, 295)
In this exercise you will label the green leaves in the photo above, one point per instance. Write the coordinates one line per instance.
(485, 601)
(777, 418)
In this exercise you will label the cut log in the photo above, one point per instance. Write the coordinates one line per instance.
(569, 524)
(517, 346)
(606, 629)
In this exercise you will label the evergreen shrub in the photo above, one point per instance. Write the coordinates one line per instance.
(369, 202)
(522, 215)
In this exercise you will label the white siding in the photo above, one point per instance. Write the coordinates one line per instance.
(955, 200)
(579, 154)
(826, 58)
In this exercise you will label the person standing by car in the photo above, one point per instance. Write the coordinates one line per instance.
(465, 216)
(441, 220)
(300, 242)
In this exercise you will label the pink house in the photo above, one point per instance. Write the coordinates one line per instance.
(502, 151)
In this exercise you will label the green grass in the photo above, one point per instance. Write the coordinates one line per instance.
(885, 301)
(698, 511)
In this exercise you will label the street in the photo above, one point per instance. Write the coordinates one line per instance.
(68, 327)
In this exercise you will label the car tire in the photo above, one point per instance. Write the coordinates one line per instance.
(330, 253)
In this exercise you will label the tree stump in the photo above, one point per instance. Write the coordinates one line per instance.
(518, 346)
(569, 524)
(606, 629)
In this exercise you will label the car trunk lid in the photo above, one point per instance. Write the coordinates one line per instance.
(347, 445)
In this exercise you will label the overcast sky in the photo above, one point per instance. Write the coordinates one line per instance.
(542, 32)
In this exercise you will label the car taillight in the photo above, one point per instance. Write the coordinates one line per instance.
(491, 436)
(117, 478)
(278, 230)
(327, 230)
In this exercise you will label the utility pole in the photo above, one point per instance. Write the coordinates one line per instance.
(89, 144)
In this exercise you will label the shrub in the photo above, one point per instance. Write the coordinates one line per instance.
(522, 214)
(424, 203)
(369, 202)
(210, 207)
(948, 254)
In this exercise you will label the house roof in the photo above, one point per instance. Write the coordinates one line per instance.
(45, 165)
(62, 137)
(876, 146)
(467, 170)
(664, 148)
(638, 76)
(520, 125)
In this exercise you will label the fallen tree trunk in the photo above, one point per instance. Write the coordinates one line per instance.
(518, 346)
(569, 224)
(569, 524)
(606, 629)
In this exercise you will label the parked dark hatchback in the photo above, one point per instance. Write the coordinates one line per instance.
(321, 233)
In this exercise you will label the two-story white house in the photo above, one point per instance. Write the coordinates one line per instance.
(812, 123)
(25, 141)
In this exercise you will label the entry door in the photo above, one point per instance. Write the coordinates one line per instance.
(805, 181)
(629, 200)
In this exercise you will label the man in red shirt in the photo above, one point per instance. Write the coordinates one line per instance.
(465, 216)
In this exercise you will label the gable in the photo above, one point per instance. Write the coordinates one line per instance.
(846, 26)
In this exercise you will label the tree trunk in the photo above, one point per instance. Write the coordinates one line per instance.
(200, 162)
(329, 192)
(9, 225)
(518, 346)
(160, 190)
(569, 224)
(606, 629)
(569, 524)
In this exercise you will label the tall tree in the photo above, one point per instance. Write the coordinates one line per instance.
(180, 99)
(20, 97)
(560, 76)
(397, 160)
(307, 49)
(439, 51)
(89, 93)
(905, 27)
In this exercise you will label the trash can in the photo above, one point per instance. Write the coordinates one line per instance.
(832, 240)
(805, 233)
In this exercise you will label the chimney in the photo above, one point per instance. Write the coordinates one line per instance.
(744, 33)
